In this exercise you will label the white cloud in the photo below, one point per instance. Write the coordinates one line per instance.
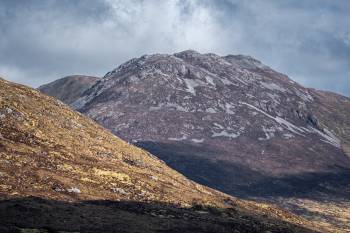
(44, 41)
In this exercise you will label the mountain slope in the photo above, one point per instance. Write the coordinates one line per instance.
(70, 88)
(230, 123)
(333, 110)
(62, 172)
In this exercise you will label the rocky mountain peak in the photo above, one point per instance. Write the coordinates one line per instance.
(197, 82)
(189, 82)
(228, 122)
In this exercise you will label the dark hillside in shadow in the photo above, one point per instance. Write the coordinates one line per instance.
(199, 164)
(49, 216)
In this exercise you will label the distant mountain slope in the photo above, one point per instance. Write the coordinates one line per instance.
(62, 172)
(231, 123)
(70, 88)
(333, 111)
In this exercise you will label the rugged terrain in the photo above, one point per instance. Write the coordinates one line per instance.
(234, 124)
(69, 88)
(61, 172)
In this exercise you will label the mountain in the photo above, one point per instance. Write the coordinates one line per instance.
(70, 88)
(61, 172)
(233, 124)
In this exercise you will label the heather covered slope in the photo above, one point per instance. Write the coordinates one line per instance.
(234, 124)
(62, 153)
(62, 172)
(70, 88)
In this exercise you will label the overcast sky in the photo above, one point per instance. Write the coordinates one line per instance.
(41, 41)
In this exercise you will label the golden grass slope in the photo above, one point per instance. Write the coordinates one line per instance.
(47, 149)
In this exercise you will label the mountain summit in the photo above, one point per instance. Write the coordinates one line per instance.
(231, 123)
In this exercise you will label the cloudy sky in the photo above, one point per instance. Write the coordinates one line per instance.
(44, 40)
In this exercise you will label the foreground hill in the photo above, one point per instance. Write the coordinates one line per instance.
(62, 172)
(235, 125)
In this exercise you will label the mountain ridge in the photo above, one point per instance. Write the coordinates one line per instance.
(233, 124)
(76, 84)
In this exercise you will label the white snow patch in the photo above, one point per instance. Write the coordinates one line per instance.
(191, 85)
(210, 80)
(241, 81)
(250, 96)
(269, 133)
(288, 136)
(197, 140)
(281, 121)
(273, 86)
(210, 110)
(229, 108)
(328, 136)
(184, 137)
(306, 129)
(257, 109)
(224, 133)
(218, 125)
(227, 82)
(290, 126)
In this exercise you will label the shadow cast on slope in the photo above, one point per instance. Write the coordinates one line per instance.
(50, 216)
(199, 164)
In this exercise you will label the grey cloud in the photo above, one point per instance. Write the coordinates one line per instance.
(44, 40)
